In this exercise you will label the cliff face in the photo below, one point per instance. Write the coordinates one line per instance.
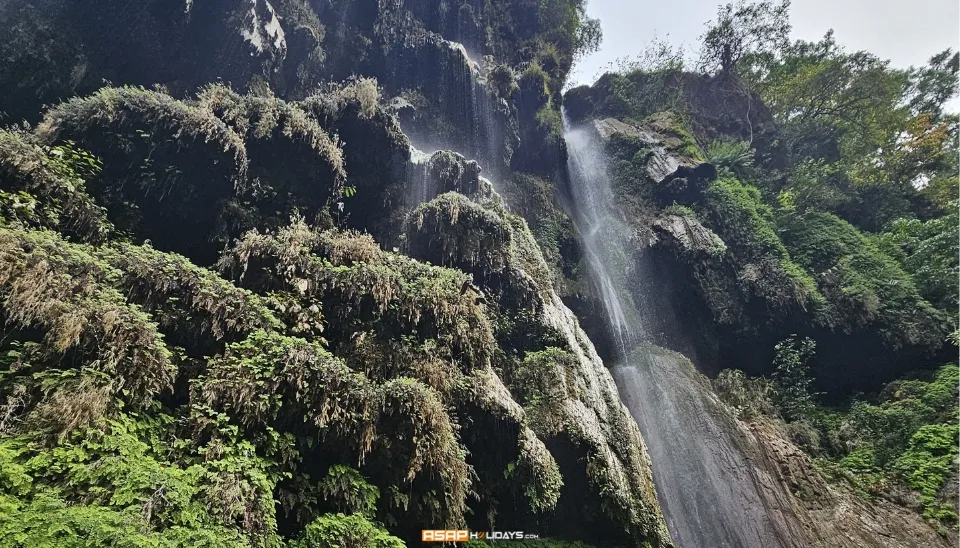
(310, 273)
(690, 256)
(747, 275)
(245, 288)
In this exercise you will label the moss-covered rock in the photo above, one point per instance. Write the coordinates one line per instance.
(315, 382)
(581, 419)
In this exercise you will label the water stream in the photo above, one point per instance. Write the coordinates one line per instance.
(707, 488)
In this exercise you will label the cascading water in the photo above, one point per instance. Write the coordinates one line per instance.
(710, 495)
(421, 186)
(464, 97)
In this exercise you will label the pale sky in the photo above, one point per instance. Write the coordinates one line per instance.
(907, 32)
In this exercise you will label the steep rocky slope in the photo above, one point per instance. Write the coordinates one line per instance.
(187, 297)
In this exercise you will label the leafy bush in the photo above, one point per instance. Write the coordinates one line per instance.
(910, 434)
(928, 461)
(791, 378)
(734, 157)
(863, 285)
(928, 251)
(345, 531)
(748, 396)
(681, 210)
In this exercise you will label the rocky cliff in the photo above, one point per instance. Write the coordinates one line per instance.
(310, 273)
(245, 286)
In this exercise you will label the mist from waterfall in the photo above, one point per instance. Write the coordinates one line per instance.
(709, 495)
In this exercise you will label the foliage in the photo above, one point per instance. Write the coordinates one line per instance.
(348, 486)
(932, 86)
(742, 29)
(681, 210)
(630, 97)
(791, 380)
(529, 543)
(748, 396)
(659, 56)
(113, 486)
(863, 286)
(734, 157)
(475, 237)
(746, 224)
(345, 531)
(928, 461)
(44, 186)
(911, 432)
(928, 251)
(364, 92)
(57, 289)
(868, 138)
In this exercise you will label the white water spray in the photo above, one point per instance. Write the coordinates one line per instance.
(709, 492)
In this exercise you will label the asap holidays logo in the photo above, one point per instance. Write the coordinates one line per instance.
(463, 535)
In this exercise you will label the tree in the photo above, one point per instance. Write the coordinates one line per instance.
(935, 84)
(742, 29)
(866, 139)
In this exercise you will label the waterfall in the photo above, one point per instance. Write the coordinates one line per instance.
(421, 186)
(463, 96)
(710, 493)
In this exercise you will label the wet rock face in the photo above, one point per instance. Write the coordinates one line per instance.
(779, 491)
(579, 417)
(685, 236)
(677, 175)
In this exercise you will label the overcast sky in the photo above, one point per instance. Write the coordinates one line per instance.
(907, 32)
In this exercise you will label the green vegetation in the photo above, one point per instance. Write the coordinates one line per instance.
(308, 387)
(927, 250)
(332, 531)
(741, 30)
(746, 224)
(730, 157)
(791, 380)
(539, 543)
(906, 435)
(205, 341)
(859, 287)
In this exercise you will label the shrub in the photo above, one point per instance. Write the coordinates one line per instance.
(791, 378)
(733, 156)
(927, 463)
(863, 286)
(345, 531)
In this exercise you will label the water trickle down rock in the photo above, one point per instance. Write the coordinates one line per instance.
(447, 102)
(452, 229)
